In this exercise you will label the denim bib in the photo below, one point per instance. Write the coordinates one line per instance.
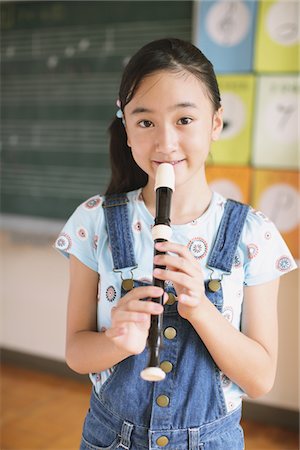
(187, 410)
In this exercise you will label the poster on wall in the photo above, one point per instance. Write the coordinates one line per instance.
(231, 182)
(277, 42)
(224, 31)
(233, 146)
(276, 194)
(276, 122)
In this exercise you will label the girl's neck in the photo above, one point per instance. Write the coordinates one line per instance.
(187, 204)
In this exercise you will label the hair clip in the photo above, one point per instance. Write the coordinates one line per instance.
(119, 113)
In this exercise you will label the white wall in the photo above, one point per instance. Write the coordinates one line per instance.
(285, 392)
(34, 297)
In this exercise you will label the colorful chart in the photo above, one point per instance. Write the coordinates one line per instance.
(231, 182)
(277, 42)
(234, 144)
(254, 47)
(276, 122)
(276, 194)
(226, 31)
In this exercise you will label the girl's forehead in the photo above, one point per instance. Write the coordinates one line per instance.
(168, 84)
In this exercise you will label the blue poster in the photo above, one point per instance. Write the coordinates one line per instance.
(224, 31)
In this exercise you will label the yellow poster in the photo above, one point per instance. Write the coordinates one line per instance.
(276, 194)
(277, 41)
(234, 144)
(231, 182)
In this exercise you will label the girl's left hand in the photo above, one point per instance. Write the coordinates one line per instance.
(186, 275)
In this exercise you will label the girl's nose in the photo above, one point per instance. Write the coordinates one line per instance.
(166, 139)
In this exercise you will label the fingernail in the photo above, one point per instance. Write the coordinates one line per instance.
(157, 271)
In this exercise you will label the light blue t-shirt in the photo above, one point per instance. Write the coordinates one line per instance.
(262, 256)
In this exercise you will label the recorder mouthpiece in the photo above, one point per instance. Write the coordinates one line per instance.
(165, 176)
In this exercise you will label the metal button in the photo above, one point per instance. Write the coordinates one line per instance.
(170, 333)
(172, 299)
(214, 285)
(162, 441)
(163, 401)
(166, 366)
(127, 284)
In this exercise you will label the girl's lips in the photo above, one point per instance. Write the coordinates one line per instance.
(174, 163)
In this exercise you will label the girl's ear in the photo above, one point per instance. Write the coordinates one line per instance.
(126, 131)
(217, 125)
(128, 139)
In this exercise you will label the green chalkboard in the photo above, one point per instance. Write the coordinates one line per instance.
(61, 66)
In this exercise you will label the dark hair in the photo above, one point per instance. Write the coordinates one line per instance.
(164, 54)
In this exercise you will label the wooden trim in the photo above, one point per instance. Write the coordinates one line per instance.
(267, 414)
(271, 415)
(35, 362)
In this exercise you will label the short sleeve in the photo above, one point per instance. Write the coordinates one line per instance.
(266, 255)
(79, 235)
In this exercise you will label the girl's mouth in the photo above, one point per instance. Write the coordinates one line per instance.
(174, 163)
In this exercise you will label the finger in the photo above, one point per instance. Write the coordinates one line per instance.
(135, 311)
(120, 316)
(173, 247)
(180, 278)
(178, 263)
(179, 249)
(148, 306)
(142, 292)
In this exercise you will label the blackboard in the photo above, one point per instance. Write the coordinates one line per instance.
(61, 66)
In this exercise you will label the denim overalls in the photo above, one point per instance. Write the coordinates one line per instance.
(185, 411)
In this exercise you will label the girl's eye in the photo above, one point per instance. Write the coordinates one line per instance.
(184, 121)
(145, 123)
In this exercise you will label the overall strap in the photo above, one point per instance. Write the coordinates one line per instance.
(119, 230)
(228, 235)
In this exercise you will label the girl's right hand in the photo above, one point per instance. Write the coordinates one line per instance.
(130, 319)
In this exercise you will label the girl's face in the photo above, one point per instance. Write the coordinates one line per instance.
(171, 119)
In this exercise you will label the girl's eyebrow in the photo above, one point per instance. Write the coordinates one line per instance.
(141, 109)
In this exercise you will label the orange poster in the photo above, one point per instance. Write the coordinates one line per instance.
(231, 182)
(276, 194)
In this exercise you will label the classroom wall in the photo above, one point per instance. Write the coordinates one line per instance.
(34, 299)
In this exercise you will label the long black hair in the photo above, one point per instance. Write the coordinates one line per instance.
(164, 54)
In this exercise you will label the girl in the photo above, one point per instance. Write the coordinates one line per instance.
(220, 337)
